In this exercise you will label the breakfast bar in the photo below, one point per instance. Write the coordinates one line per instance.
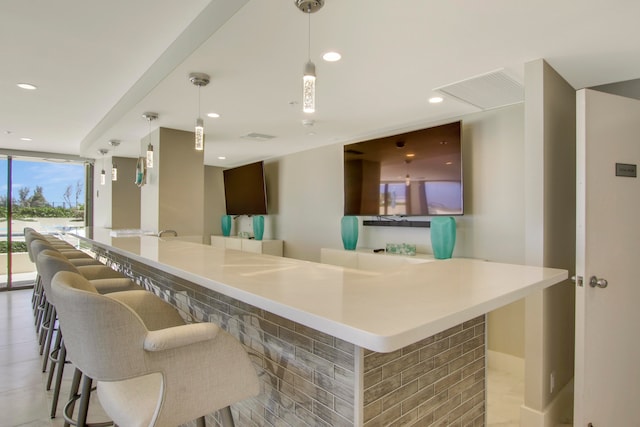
(337, 346)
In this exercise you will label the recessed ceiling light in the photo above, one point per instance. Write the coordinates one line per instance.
(27, 86)
(435, 100)
(411, 155)
(331, 56)
(222, 158)
(449, 163)
(25, 139)
(213, 115)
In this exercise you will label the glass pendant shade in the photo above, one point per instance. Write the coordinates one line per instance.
(150, 156)
(114, 172)
(309, 88)
(407, 180)
(103, 177)
(199, 134)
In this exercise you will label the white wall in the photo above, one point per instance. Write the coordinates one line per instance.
(306, 196)
(305, 192)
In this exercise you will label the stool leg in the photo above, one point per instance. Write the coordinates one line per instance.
(69, 407)
(37, 290)
(227, 418)
(62, 356)
(46, 347)
(40, 311)
(44, 325)
(84, 401)
(54, 356)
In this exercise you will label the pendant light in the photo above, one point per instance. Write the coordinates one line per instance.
(309, 75)
(114, 167)
(103, 175)
(407, 179)
(150, 116)
(199, 79)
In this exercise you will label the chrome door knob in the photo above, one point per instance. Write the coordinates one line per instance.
(601, 283)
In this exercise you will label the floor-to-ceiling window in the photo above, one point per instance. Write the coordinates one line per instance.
(42, 193)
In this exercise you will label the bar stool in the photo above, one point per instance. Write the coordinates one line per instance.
(38, 245)
(105, 280)
(150, 373)
(65, 248)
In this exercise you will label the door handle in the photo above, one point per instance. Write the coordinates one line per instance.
(601, 283)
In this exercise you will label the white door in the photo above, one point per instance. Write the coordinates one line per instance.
(607, 377)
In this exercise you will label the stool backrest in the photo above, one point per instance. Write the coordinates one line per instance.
(30, 238)
(48, 263)
(104, 337)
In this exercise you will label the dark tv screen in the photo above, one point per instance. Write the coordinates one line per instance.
(245, 190)
(417, 173)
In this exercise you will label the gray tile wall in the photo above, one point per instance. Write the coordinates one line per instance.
(308, 378)
(437, 381)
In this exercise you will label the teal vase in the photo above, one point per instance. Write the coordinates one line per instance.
(349, 229)
(443, 236)
(226, 225)
(258, 227)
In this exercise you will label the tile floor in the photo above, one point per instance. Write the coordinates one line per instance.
(24, 401)
(505, 395)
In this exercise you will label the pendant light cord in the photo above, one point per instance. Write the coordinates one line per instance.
(309, 38)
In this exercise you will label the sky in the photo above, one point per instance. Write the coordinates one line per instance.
(52, 177)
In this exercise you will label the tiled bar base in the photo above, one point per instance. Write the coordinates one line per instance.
(309, 378)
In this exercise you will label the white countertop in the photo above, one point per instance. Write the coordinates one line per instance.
(380, 311)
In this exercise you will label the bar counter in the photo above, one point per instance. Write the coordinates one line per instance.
(337, 346)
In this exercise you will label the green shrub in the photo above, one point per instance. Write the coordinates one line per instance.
(15, 247)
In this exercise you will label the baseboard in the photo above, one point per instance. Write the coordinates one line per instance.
(555, 413)
(503, 362)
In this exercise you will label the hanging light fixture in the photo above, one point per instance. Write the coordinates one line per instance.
(114, 167)
(199, 79)
(150, 117)
(309, 76)
(103, 175)
(407, 179)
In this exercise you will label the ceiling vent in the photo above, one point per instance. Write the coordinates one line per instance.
(254, 136)
(486, 91)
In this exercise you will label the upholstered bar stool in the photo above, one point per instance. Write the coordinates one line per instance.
(37, 245)
(69, 251)
(150, 371)
(49, 263)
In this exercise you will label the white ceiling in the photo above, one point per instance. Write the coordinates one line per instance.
(100, 65)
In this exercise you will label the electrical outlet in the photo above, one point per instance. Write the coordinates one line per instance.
(552, 381)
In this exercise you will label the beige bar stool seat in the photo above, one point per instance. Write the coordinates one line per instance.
(149, 371)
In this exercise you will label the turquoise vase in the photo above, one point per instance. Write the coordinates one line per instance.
(443, 236)
(349, 229)
(226, 225)
(258, 227)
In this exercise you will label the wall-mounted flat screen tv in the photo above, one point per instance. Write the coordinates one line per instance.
(245, 190)
(417, 173)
